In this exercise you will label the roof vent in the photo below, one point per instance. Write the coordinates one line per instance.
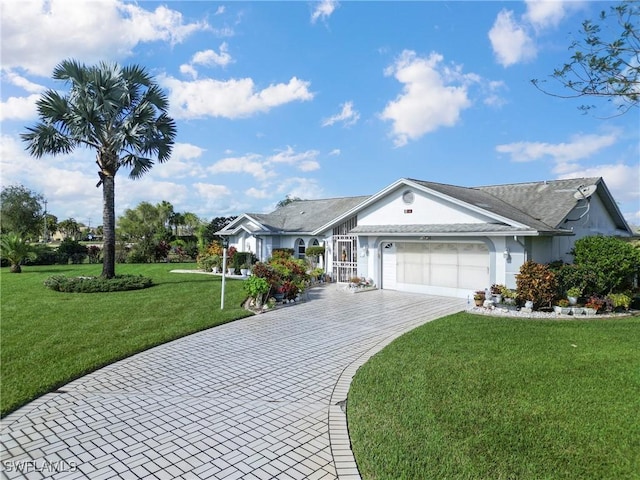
(585, 192)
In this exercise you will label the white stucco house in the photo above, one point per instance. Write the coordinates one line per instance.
(433, 238)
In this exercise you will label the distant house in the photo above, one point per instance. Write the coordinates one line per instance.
(427, 237)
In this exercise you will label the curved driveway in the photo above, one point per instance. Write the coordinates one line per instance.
(257, 398)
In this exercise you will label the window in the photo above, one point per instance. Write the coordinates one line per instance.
(300, 249)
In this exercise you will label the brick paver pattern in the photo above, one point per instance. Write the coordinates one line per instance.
(258, 398)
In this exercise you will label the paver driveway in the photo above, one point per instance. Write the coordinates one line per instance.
(255, 399)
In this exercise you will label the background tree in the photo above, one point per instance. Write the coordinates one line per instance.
(166, 212)
(606, 61)
(191, 223)
(14, 248)
(176, 221)
(144, 226)
(21, 211)
(52, 225)
(287, 200)
(119, 112)
(207, 232)
(69, 228)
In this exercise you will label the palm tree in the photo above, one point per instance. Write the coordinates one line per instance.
(119, 112)
(15, 249)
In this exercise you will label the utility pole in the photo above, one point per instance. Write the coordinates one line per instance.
(44, 237)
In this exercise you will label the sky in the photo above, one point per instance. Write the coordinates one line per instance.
(319, 99)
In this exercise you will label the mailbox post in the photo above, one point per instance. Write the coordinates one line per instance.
(225, 246)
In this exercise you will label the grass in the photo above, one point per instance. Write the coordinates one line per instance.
(49, 338)
(469, 397)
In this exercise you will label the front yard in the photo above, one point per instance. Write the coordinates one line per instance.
(50, 338)
(483, 397)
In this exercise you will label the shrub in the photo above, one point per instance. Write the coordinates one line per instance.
(613, 261)
(575, 276)
(536, 282)
(620, 300)
(71, 251)
(119, 283)
(93, 251)
(45, 255)
(258, 288)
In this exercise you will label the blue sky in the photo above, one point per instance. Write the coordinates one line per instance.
(319, 99)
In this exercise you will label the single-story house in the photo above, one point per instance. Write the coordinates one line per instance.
(427, 237)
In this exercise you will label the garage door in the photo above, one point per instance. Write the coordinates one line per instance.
(445, 268)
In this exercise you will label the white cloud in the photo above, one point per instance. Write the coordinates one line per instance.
(428, 101)
(184, 163)
(19, 81)
(19, 108)
(211, 191)
(207, 58)
(544, 14)
(510, 40)
(348, 116)
(304, 161)
(230, 99)
(253, 164)
(579, 147)
(300, 187)
(257, 193)
(38, 34)
(335, 152)
(323, 10)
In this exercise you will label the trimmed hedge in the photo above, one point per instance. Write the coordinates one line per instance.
(119, 283)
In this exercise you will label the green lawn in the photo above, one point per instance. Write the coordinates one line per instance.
(475, 397)
(48, 338)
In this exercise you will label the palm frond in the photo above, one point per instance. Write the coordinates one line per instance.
(138, 165)
(45, 138)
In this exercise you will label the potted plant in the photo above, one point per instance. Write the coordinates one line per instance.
(216, 263)
(572, 294)
(562, 307)
(479, 297)
(594, 305)
(245, 269)
(496, 292)
(508, 295)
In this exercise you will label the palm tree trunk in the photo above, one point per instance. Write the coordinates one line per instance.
(109, 226)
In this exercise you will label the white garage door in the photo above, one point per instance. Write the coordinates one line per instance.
(439, 268)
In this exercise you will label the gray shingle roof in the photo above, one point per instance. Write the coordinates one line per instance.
(540, 205)
(306, 215)
(550, 201)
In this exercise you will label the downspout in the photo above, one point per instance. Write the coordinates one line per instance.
(524, 247)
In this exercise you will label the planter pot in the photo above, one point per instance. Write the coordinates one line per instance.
(590, 311)
(230, 271)
(244, 272)
(528, 304)
(562, 310)
(497, 298)
(215, 270)
(577, 310)
(479, 302)
(279, 297)
(572, 300)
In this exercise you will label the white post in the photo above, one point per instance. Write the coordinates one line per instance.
(224, 272)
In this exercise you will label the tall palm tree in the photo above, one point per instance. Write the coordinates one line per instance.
(15, 249)
(121, 113)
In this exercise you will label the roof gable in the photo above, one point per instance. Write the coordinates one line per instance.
(537, 207)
